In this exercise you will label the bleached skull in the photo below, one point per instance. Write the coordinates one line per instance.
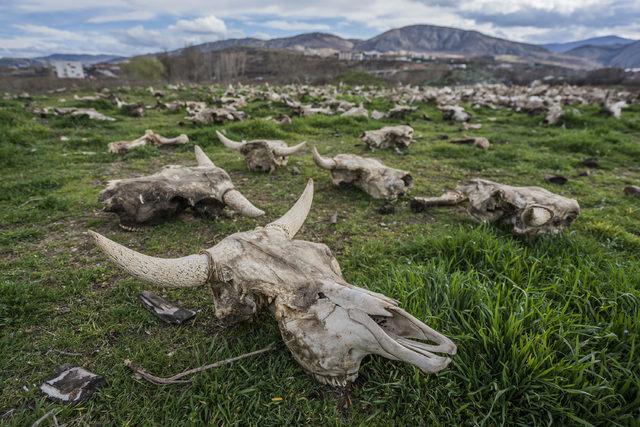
(328, 325)
(397, 137)
(262, 155)
(530, 210)
(370, 175)
(205, 188)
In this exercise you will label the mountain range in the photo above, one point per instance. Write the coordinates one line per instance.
(43, 60)
(425, 39)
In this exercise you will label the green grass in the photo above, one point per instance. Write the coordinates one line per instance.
(547, 330)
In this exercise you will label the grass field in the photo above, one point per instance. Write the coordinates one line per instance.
(547, 330)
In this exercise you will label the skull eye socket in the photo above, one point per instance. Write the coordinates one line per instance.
(537, 216)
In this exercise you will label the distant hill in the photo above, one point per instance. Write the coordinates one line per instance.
(594, 41)
(430, 38)
(600, 54)
(301, 41)
(627, 57)
(44, 60)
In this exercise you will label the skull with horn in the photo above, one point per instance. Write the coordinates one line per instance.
(262, 155)
(205, 188)
(370, 175)
(530, 210)
(328, 325)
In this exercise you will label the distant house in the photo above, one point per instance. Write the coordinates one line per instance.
(68, 69)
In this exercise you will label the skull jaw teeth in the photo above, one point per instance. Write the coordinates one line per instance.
(335, 381)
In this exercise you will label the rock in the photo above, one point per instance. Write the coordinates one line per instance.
(387, 209)
(165, 310)
(556, 179)
(632, 190)
(71, 385)
(480, 142)
(333, 219)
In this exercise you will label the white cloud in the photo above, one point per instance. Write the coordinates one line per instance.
(45, 31)
(295, 25)
(205, 25)
(136, 15)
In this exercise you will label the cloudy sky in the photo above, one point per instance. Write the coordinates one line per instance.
(38, 27)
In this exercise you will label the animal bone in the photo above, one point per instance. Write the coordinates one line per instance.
(454, 113)
(530, 210)
(554, 114)
(397, 137)
(328, 325)
(205, 188)
(149, 137)
(479, 141)
(370, 175)
(262, 155)
(614, 109)
(216, 115)
(400, 111)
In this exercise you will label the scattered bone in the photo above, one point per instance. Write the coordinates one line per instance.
(149, 137)
(632, 190)
(377, 115)
(216, 115)
(528, 210)
(613, 109)
(401, 111)
(177, 379)
(71, 385)
(554, 114)
(471, 126)
(262, 155)
(91, 113)
(133, 110)
(165, 310)
(397, 137)
(356, 112)
(479, 141)
(147, 200)
(370, 175)
(387, 209)
(454, 113)
(328, 325)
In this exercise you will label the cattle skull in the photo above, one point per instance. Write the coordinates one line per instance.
(150, 199)
(149, 137)
(328, 325)
(370, 175)
(262, 155)
(530, 210)
(397, 137)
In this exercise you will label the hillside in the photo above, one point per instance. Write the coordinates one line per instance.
(594, 41)
(43, 60)
(627, 57)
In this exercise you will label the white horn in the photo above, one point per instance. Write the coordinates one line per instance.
(185, 272)
(202, 158)
(294, 218)
(287, 151)
(322, 161)
(229, 143)
(236, 201)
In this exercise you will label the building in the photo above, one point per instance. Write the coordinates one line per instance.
(68, 69)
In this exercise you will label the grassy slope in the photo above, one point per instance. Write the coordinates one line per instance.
(546, 330)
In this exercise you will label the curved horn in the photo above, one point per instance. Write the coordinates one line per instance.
(234, 145)
(202, 158)
(287, 151)
(294, 218)
(323, 162)
(240, 204)
(185, 272)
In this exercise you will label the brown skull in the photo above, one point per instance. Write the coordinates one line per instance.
(147, 200)
(397, 137)
(328, 325)
(370, 175)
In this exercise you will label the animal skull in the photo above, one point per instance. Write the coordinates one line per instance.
(530, 210)
(150, 199)
(370, 175)
(397, 137)
(149, 137)
(262, 155)
(328, 325)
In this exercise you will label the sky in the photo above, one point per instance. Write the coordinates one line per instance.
(30, 28)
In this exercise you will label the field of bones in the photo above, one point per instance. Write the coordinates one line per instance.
(372, 255)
